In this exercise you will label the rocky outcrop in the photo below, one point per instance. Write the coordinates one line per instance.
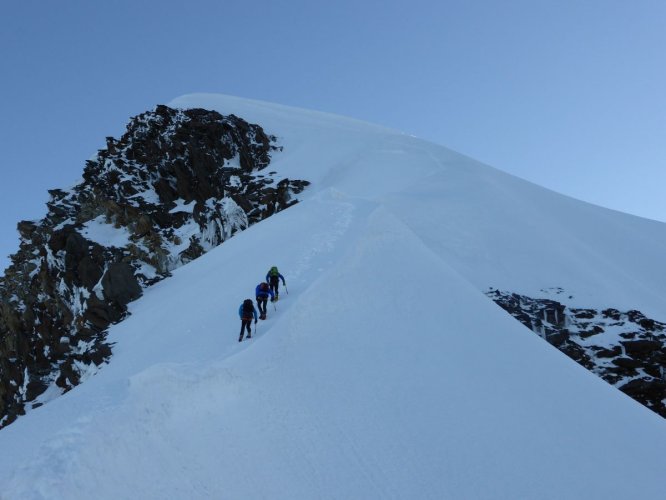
(175, 185)
(626, 349)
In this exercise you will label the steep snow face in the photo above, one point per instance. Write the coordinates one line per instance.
(495, 229)
(384, 372)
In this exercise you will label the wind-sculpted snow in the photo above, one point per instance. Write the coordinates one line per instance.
(349, 390)
(385, 371)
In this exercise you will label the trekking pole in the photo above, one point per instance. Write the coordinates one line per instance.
(274, 308)
(286, 289)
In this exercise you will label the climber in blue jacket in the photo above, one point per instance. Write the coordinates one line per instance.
(261, 293)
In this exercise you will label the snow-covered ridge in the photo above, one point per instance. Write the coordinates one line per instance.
(386, 372)
(174, 186)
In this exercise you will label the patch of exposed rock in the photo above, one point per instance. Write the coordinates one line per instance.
(175, 185)
(626, 349)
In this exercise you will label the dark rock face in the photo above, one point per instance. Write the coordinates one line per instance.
(119, 283)
(626, 349)
(175, 185)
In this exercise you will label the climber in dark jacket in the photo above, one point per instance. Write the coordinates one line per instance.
(246, 311)
(262, 292)
(273, 278)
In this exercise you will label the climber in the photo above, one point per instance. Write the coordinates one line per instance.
(262, 292)
(246, 311)
(273, 278)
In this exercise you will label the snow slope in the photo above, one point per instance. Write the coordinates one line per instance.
(385, 372)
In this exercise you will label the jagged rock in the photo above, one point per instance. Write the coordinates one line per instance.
(119, 283)
(97, 355)
(26, 229)
(611, 313)
(56, 241)
(609, 353)
(651, 393)
(89, 272)
(641, 348)
(67, 377)
(10, 319)
(34, 388)
(194, 251)
(641, 353)
(584, 313)
(635, 316)
(557, 338)
(143, 226)
(63, 346)
(626, 363)
(76, 248)
(594, 330)
(653, 370)
(174, 176)
(165, 191)
(553, 312)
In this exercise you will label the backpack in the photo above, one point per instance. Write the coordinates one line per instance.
(274, 272)
(248, 308)
(264, 286)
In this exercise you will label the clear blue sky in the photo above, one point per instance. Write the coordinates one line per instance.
(570, 94)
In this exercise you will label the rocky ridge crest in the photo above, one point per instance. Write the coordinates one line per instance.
(175, 185)
(625, 348)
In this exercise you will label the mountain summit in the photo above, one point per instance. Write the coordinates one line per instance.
(388, 370)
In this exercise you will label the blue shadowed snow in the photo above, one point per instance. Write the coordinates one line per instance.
(385, 372)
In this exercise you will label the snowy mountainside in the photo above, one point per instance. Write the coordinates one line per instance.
(386, 372)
